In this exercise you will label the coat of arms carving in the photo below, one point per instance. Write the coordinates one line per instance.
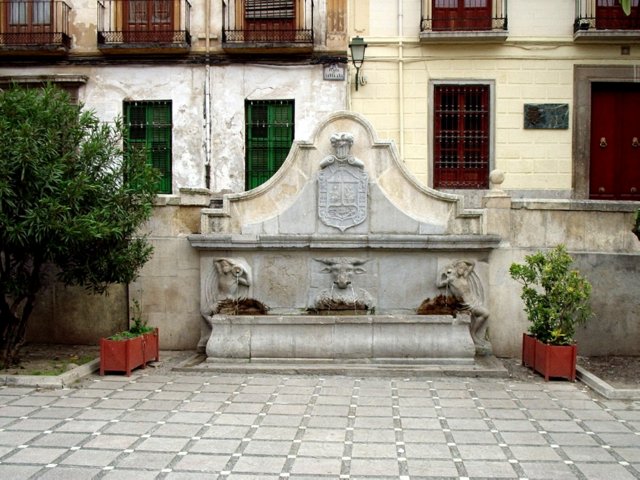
(342, 186)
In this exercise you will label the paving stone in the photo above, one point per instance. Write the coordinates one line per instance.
(474, 437)
(275, 433)
(37, 455)
(374, 450)
(372, 467)
(489, 469)
(82, 426)
(89, 457)
(162, 444)
(145, 460)
(269, 447)
(319, 449)
(523, 438)
(481, 452)
(317, 466)
(259, 465)
(226, 431)
(201, 462)
(548, 471)
(215, 446)
(69, 473)
(17, 472)
(432, 468)
(526, 453)
(9, 437)
(427, 450)
(111, 442)
(129, 427)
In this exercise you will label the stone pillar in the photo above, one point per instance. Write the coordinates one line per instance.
(497, 204)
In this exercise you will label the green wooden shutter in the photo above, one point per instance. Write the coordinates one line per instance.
(149, 126)
(269, 134)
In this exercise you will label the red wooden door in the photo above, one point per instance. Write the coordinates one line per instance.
(454, 15)
(148, 21)
(615, 142)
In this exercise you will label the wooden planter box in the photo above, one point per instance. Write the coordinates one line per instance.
(129, 354)
(556, 361)
(528, 350)
(152, 346)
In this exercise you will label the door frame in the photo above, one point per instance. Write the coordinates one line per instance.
(584, 76)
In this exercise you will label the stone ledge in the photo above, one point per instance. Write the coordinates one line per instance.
(346, 241)
(575, 205)
(484, 367)
(54, 381)
(604, 389)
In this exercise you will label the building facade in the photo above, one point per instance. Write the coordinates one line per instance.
(546, 92)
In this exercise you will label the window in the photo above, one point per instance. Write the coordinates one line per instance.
(450, 15)
(269, 134)
(269, 9)
(609, 15)
(148, 124)
(34, 12)
(461, 136)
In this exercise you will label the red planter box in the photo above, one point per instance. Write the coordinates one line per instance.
(557, 361)
(126, 355)
(528, 350)
(151, 346)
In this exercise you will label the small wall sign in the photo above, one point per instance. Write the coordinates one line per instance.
(546, 115)
(334, 71)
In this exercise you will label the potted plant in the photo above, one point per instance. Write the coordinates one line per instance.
(556, 299)
(131, 348)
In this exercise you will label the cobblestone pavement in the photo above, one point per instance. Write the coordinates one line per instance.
(169, 425)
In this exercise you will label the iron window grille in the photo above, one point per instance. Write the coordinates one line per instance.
(461, 136)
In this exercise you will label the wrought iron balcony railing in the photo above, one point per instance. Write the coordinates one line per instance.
(267, 22)
(605, 16)
(34, 25)
(144, 23)
(463, 16)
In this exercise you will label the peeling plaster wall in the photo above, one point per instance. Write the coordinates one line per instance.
(108, 87)
(314, 98)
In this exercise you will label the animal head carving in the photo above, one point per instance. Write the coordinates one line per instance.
(342, 269)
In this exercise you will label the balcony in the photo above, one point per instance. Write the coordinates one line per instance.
(271, 26)
(34, 27)
(604, 20)
(454, 21)
(144, 26)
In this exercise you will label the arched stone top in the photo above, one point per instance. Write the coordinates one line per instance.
(396, 203)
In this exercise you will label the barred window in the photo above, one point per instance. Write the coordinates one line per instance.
(263, 9)
(461, 136)
(148, 124)
(269, 131)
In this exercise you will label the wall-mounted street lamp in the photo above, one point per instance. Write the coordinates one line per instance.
(357, 47)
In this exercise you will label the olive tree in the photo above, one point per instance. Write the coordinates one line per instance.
(71, 198)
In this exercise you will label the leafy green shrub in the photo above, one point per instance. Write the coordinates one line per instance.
(555, 297)
(138, 327)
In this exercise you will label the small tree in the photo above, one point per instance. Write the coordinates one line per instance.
(70, 197)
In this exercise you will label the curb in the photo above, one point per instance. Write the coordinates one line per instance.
(604, 389)
(55, 381)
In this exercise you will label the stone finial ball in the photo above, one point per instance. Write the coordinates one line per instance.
(496, 177)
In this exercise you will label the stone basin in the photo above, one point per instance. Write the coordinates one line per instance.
(407, 339)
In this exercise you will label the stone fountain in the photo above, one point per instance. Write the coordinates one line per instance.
(341, 247)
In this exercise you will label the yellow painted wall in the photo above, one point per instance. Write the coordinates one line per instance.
(534, 65)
